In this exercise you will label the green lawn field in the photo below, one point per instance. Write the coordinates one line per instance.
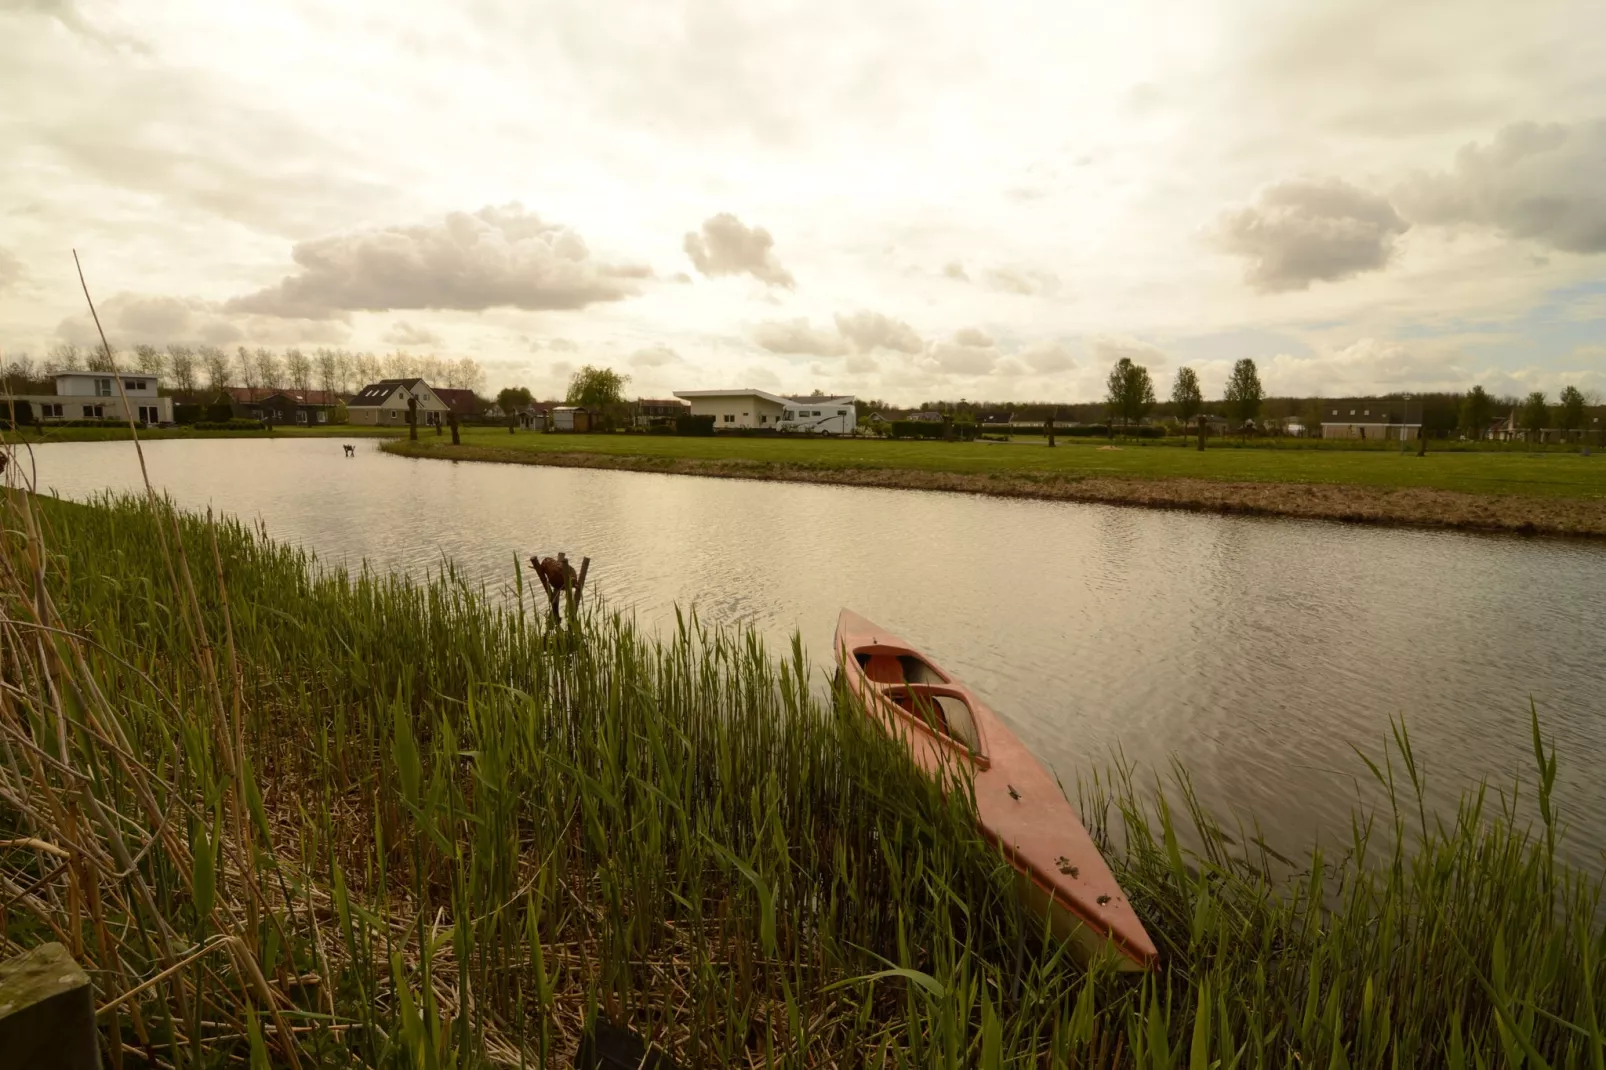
(1550, 474)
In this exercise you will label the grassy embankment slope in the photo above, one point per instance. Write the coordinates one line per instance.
(1544, 492)
(287, 817)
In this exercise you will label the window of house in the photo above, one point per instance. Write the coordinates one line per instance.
(323, 417)
(729, 418)
(763, 419)
(1335, 412)
(842, 412)
(1352, 412)
(103, 388)
(93, 412)
(301, 416)
(51, 410)
(134, 384)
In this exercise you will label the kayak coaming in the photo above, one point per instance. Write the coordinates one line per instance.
(1020, 806)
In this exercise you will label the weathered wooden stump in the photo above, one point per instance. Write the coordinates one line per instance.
(47, 1012)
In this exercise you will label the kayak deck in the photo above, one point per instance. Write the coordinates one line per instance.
(1019, 805)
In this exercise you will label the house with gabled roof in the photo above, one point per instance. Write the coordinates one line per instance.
(385, 404)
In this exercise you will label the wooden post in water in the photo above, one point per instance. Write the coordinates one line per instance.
(47, 1012)
(453, 420)
(412, 418)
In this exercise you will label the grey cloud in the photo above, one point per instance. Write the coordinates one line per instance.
(861, 364)
(798, 336)
(1009, 366)
(867, 330)
(1109, 349)
(1308, 230)
(972, 336)
(498, 257)
(1544, 183)
(66, 12)
(1047, 357)
(955, 270)
(402, 333)
(654, 357)
(961, 359)
(10, 270)
(562, 345)
(727, 246)
(1029, 283)
(131, 319)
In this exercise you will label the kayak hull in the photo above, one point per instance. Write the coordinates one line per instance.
(1021, 808)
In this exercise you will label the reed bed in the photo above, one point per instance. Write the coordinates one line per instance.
(291, 816)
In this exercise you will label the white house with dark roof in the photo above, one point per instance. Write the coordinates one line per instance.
(385, 403)
(749, 408)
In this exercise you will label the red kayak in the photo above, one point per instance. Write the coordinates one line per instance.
(1019, 805)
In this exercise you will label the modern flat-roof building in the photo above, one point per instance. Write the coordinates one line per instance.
(94, 396)
(748, 408)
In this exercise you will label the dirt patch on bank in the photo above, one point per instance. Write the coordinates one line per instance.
(1408, 506)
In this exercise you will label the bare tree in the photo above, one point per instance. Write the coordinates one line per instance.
(150, 360)
(101, 358)
(216, 363)
(466, 374)
(429, 368)
(369, 369)
(63, 357)
(269, 373)
(398, 365)
(345, 368)
(298, 369)
(21, 367)
(248, 368)
(328, 369)
(181, 365)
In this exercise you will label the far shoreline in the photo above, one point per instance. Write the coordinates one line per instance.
(1413, 507)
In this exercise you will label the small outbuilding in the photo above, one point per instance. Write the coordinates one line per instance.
(571, 418)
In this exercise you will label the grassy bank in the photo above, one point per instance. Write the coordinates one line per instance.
(298, 818)
(1546, 493)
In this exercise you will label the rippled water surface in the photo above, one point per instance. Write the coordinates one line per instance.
(1256, 651)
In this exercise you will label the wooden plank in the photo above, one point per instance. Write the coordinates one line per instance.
(47, 1012)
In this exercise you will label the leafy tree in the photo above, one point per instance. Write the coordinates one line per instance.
(1244, 392)
(1130, 392)
(1186, 395)
(1571, 417)
(596, 388)
(216, 363)
(513, 398)
(1477, 409)
(149, 359)
(1535, 414)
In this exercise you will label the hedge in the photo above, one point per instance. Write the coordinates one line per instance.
(694, 425)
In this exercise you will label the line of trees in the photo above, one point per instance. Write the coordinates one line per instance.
(186, 369)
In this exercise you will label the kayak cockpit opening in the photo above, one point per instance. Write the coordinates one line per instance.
(944, 711)
(884, 665)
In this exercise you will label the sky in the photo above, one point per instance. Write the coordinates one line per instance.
(903, 200)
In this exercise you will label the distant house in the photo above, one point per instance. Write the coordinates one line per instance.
(304, 408)
(748, 408)
(94, 396)
(659, 410)
(1370, 418)
(464, 404)
(385, 403)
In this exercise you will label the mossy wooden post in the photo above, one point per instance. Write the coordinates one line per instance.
(47, 1012)
(453, 420)
(1050, 423)
(412, 419)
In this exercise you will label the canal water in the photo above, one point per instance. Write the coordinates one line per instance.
(1255, 651)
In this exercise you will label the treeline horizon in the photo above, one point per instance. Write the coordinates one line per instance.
(187, 369)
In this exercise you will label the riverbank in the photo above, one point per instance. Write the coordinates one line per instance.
(395, 818)
(1544, 494)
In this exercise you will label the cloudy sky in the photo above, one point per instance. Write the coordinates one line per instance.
(906, 199)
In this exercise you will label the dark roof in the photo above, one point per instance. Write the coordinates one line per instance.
(462, 402)
(821, 398)
(373, 394)
(662, 401)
